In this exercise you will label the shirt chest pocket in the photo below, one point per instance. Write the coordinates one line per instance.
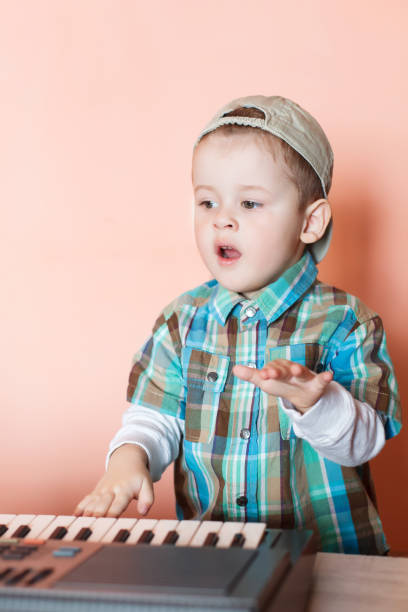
(312, 355)
(205, 374)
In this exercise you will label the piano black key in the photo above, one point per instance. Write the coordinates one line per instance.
(238, 540)
(3, 529)
(40, 576)
(171, 537)
(211, 539)
(58, 533)
(21, 531)
(17, 577)
(146, 537)
(83, 534)
(122, 535)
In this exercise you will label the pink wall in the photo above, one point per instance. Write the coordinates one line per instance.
(100, 104)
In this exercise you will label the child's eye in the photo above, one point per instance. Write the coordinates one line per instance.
(249, 204)
(208, 204)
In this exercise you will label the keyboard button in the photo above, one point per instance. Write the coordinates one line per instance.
(5, 572)
(211, 539)
(15, 556)
(171, 538)
(121, 536)
(58, 522)
(16, 522)
(204, 529)
(237, 541)
(186, 531)
(78, 524)
(161, 529)
(59, 533)
(100, 527)
(39, 524)
(17, 577)
(227, 532)
(146, 537)
(83, 534)
(40, 576)
(125, 524)
(21, 531)
(140, 526)
(253, 533)
(67, 551)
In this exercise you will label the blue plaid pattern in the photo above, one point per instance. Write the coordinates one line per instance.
(222, 473)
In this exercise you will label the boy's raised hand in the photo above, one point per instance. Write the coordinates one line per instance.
(289, 380)
(126, 478)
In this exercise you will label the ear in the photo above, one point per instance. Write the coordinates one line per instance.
(316, 220)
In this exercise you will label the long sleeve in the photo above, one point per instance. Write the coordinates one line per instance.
(339, 427)
(159, 434)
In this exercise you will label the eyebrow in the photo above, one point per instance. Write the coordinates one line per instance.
(253, 188)
(242, 187)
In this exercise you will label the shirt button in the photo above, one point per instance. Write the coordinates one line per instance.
(245, 434)
(212, 376)
(251, 364)
(250, 311)
(242, 500)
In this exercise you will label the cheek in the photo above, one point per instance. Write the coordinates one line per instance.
(200, 236)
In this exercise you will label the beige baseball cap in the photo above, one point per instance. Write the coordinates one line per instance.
(290, 122)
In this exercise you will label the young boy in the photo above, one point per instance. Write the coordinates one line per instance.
(269, 389)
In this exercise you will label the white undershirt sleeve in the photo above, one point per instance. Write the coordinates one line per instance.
(339, 427)
(159, 434)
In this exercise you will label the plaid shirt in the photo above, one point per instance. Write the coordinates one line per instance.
(239, 458)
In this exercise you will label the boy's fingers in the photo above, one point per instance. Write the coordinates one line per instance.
(98, 504)
(81, 506)
(284, 370)
(246, 373)
(146, 496)
(119, 504)
(85, 506)
(325, 377)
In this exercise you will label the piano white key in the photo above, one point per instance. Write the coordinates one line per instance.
(100, 528)
(227, 532)
(253, 533)
(121, 523)
(186, 531)
(105, 529)
(38, 525)
(20, 519)
(79, 523)
(205, 528)
(5, 519)
(162, 529)
(63, 520)
(139, 528)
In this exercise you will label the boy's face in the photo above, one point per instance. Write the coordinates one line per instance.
(247, 220)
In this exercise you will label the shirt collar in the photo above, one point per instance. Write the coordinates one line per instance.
(274, 299)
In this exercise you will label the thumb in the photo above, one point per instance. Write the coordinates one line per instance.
(323, 379)
(146, 496)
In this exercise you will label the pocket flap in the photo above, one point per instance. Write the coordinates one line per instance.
(205, 370)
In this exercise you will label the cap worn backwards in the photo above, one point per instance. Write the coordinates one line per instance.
(290, 122)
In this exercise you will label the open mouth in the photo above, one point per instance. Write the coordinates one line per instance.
(228, 252)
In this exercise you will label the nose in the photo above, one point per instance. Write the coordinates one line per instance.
(224, 219)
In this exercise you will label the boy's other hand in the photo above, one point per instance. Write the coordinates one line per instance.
(287, 379)
(126, 478)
